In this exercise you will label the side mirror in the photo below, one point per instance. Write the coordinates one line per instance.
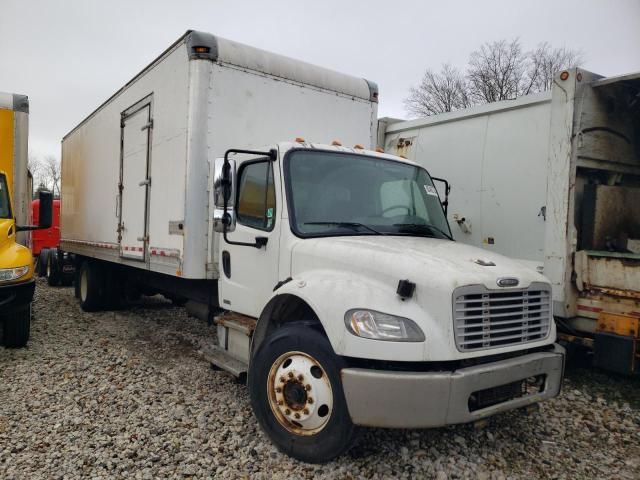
(45, 214)
(224, 181)
(447, 189)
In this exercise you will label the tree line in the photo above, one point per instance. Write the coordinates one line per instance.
(500, 70)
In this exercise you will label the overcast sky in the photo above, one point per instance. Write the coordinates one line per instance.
(70, 55)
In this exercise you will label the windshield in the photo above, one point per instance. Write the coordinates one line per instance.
(5, 207)
(352, 194)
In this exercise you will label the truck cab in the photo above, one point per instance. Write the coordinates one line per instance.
(352, 305)
(16, 275)
(16, 261)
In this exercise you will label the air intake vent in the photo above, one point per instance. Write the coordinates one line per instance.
(486, 318)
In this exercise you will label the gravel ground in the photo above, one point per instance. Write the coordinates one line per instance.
(126, 394)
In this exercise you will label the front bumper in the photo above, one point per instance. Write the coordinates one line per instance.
(16, 294)
(389, 399)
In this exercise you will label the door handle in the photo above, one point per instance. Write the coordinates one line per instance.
(145, 182)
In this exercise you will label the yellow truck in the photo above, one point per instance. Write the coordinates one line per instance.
(16, 261)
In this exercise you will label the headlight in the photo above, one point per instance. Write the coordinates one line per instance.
(10, 274)
(381, 326)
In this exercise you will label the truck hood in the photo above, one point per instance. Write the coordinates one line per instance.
(346, 273)
(425, 261)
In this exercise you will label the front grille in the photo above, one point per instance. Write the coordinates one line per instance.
(486, 318)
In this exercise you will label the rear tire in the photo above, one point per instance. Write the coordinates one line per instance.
(42, 262)
(296, 394)
(53, 269)
(17, 326)
(91, 288)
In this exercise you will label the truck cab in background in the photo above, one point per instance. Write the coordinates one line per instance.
(16, 261)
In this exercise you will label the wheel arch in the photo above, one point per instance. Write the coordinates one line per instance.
(284, 309)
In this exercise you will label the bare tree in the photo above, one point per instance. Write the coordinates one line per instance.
(545, 62)
(51, 174)
(441, 92)
(497, 71)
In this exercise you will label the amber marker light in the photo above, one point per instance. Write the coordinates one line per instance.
(564, 75)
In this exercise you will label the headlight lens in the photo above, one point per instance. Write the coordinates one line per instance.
(10, 274)
(381, 326)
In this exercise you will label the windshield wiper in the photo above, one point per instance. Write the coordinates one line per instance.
(347, 225)
(432, 228)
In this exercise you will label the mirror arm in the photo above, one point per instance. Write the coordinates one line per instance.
(29, 228)
(271, 155)
(447, 189)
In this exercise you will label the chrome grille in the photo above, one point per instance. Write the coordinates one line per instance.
(486, 318)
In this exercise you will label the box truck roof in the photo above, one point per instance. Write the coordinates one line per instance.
(14, 101)
(205, 46)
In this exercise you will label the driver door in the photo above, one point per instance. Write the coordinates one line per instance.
(248, 274)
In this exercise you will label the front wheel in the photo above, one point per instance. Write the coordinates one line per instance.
(296, 394)
(17, 326)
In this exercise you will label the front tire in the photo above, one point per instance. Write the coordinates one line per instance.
(297, 396)
(17, 326)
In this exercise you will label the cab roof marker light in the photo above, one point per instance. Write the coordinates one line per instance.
(379, 149)
(336, 143)
(358, 146)
(300, 140)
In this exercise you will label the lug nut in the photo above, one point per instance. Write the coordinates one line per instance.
(306, 411)
(308, 387)
(310, 400)
(287, 412)
(300, 378)
(297, 415)
(280, 402)
(290, 374)
(282, 379)
(278, 389)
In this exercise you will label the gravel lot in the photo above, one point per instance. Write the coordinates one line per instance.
(126, 394)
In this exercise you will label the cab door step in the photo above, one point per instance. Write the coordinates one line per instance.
(234, 339)
(220, 358)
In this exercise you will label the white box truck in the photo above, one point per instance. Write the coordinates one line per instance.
(342, 298)
(552, 179)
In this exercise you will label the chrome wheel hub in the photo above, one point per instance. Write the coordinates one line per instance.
(300, 393)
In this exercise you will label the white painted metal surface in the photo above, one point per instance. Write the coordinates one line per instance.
(200, 108)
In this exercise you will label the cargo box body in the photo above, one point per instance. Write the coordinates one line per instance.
(552, 179)
(135, 173)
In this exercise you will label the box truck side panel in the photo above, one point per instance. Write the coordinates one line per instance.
(91, 170)
(272, 108)
(514, 182)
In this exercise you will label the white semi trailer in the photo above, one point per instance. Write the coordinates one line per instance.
(330, 270)
(552, 179)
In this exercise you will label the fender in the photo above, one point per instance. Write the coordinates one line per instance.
(329, 294)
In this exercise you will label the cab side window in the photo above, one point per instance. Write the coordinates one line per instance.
(256, 195)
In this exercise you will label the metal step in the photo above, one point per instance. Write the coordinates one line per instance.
(221, 358)
(235, 321)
